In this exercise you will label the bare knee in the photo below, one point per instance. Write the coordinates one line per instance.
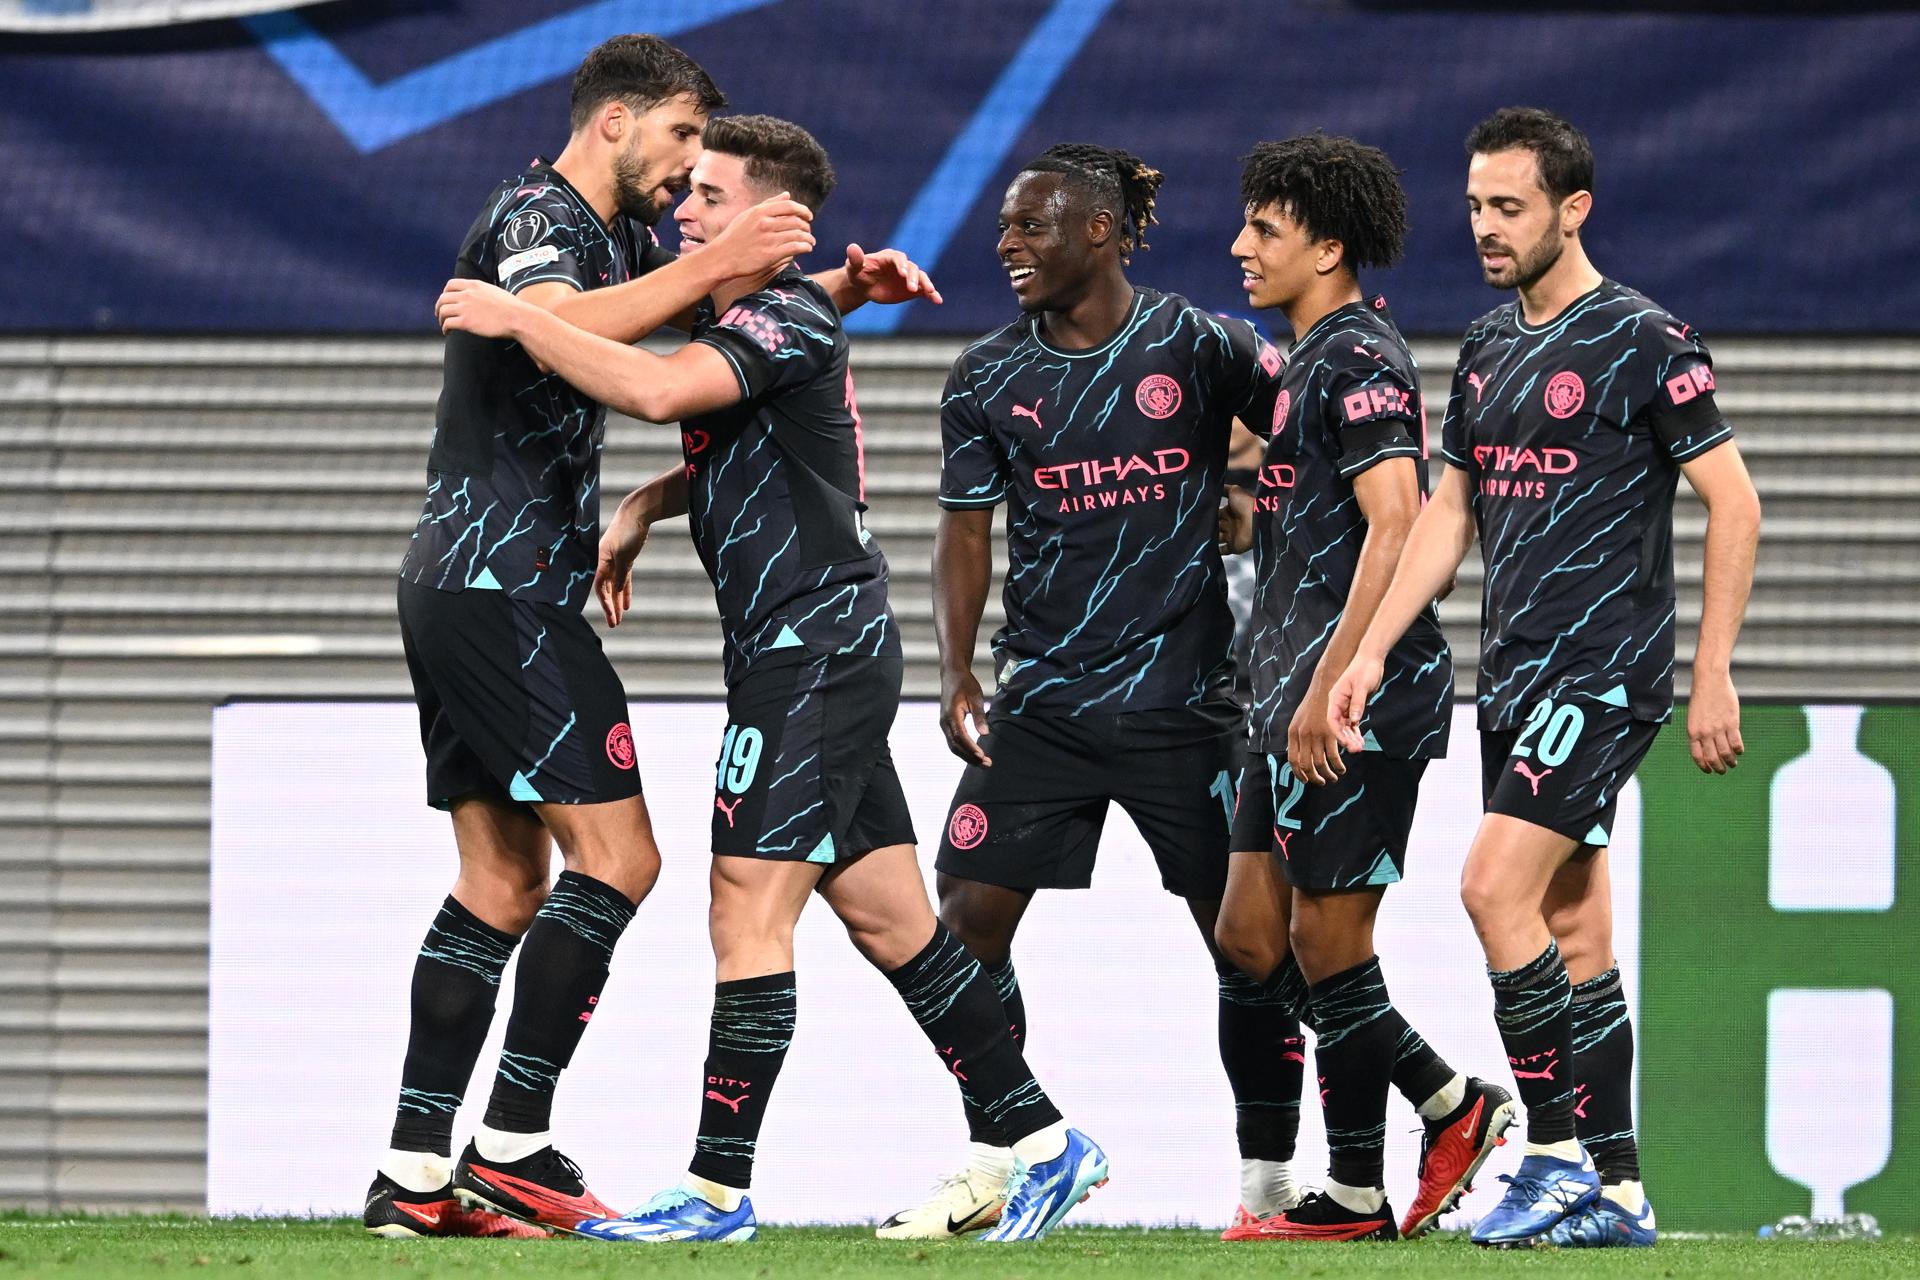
(1254, 951)
(983, 917)
(749, 931)
(505, 897)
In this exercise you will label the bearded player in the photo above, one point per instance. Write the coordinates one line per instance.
(1574, 411)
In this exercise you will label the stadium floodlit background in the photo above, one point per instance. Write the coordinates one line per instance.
(217, 374)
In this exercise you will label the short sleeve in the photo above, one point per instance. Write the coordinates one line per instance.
(973, 471)
(1454, 445)
(1246, 379)
(1374, 413)
(1676, 390)
(537, 243)
(775, 339)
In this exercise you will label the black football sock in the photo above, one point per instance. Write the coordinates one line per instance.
(1006, 984)
(1603, 1077)
(1265, 1057)
(563, 966)
(1356, 1031)
(1534, 1007)
(1418, 1072)
(455, 981)
(747, 1042)
(952, 999)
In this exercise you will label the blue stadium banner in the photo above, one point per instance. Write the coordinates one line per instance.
(45, 16)
(311, 169)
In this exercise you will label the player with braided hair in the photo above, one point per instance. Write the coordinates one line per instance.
(1102, 416)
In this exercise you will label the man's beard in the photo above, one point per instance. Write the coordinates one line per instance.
(632, 193)
(1527, 271)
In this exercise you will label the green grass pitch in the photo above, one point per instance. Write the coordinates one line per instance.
(272, 1249)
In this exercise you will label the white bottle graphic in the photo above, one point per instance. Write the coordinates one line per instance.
(1829, 1090)
(1832, 822)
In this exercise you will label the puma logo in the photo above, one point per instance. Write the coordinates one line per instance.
(958, 1074)
(732, 1103)
(1021, 411)
(1547, 1074)
(1283, 841)
(1324, 1091)
(1533, 779)
(1581, 1099)
(1479, 387)
(721, 805)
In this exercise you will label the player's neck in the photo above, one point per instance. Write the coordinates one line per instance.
(1568, 279)
(1327, 296)
(593, 182)
(1096, 317)
(734, 290)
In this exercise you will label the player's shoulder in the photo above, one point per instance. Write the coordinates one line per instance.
(795, 298)
(536, 192)
(1502, 322)
(1649, 318)
(994, 347)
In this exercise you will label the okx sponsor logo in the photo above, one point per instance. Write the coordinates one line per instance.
(1780, 1025)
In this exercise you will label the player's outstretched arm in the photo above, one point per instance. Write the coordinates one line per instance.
(1389, 498)
(1720, 477)
(753, 246)
(887, 276)
(660, 498)
(1439, 541)
(696, 379)
(962, 572)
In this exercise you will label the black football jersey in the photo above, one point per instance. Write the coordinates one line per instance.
(513, 480)
(1572, 433)
(777, 484)
(1110, 461)
(1349, 400)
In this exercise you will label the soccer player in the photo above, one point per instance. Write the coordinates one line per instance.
(805, 794)
(1342, 482)
(525, 724)
(1102, 417)
(1574, 411)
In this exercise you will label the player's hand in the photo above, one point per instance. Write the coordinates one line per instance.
(888, 276)
(1313, 749)
(476, 307)
(960, 701)
(763, 237)
(1347, 703)
(1235, 533)
(613, 576)
(1713, 724)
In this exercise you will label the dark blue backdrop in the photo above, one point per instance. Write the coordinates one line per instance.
(314, 170)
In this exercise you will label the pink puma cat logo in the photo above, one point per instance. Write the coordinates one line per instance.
(1021, 411)
(1479, 387)
(1533, 779)
(733, 1103)
(721, 805)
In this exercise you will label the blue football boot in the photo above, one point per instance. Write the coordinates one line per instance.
(673, 1215)
(1043, 1194)
(1544, 1191)
(1606, 1224)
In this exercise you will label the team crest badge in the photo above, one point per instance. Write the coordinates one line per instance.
(1157, 395)
(968, 827)
(1565, 394)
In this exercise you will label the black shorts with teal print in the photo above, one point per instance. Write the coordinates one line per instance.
(1564, 766)
(1350, 833)
(517, 700)
(805, 773)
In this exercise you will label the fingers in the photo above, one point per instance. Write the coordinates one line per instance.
(962, 743)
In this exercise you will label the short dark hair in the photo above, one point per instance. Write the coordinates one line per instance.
(1562, 152)
(1335, 188)
(780, 155)
(642, 72)
(1119, 178)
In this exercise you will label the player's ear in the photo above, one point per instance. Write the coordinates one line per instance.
(613, 119)
(1332, 254)
(1100, 227)
(1574, 210)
